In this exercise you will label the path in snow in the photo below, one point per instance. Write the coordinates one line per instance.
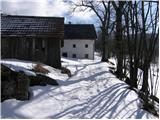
(91, 92)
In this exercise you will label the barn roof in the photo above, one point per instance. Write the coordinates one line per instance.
(32, 26)
(79, 31)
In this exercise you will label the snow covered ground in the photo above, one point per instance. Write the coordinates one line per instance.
(91, 92)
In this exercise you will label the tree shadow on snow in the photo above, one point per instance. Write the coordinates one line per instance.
(8, 110)
(106, 104)
(109, 103)
(73, 79)
(82, 67)
(90, 78)
(11, 112)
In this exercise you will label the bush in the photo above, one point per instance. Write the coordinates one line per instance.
(42, 80)
(66, 71)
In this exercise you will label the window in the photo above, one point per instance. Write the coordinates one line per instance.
(40, 45)
(86, 45)
(43, 43)
(86, 55)
(74, 56)
(43, 49)
(64, 54)
(74, 45)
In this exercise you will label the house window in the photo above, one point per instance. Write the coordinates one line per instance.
(64, 54)
(86, 45)
(74, 56)
(74, 45)
(86, 55)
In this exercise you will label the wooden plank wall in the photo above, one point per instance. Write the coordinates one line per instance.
(53, 50)
(24, 49)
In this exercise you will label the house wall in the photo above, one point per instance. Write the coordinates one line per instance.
(80, 50)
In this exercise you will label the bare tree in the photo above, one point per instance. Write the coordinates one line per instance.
(142, 31)
(139, 21)
(119, 52)
(148, 47)
(102, 11)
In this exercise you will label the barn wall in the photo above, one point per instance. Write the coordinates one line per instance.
(19, 48)
(8, 48)
(38, 50)
(53, 52)
(24, 49)
(4, 48)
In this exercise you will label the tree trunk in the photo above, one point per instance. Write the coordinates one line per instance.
(145, 77)
(119, 71)
(103, 45)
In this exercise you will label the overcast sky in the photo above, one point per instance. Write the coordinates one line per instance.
(56, 8)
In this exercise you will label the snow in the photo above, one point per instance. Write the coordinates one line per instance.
(26, 66)
(153, 80)
(91, 92)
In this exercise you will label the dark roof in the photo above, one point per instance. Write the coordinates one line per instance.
(32, 26)
(79, 31)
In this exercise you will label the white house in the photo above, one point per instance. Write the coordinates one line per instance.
(79, 41)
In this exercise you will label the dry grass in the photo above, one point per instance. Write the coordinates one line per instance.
(40, 68)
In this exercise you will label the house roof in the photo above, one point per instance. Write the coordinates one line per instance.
(79, 31)
(32, 26)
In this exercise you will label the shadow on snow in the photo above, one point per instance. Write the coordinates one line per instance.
(103, 105)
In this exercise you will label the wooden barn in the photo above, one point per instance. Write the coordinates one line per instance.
(32, 38)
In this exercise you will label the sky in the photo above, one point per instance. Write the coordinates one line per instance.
(56, 8)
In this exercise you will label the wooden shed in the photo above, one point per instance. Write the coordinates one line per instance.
(32, 38)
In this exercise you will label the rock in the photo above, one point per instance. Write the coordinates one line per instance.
(22, 88)
(8, 83)
(42, 80)
(14, 84)
(8, 90)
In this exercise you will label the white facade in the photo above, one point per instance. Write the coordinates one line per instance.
(78, 48)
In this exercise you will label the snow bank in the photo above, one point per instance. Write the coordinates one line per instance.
(27, 66)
